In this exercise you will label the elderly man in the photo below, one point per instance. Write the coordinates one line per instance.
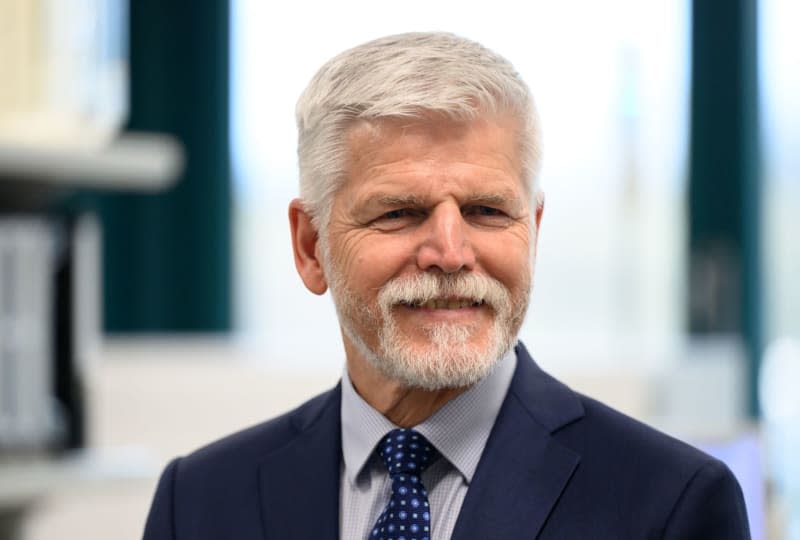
(420, 212)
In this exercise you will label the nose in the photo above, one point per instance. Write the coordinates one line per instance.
(445, 244)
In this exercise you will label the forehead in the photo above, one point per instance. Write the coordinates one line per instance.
(398, 151)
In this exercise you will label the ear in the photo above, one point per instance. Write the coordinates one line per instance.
(539, 208)
(305, 244)
(539, 202)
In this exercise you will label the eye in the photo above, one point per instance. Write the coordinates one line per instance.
(397, 219)
(486, 215)
(485, 211)
(396, 214)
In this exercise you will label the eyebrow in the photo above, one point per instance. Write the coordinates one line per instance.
(398, 200)
(498, 199)
(386, 199)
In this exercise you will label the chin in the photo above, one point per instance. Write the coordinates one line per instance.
(446, 356)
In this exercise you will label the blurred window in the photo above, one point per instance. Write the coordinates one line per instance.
(780, 115)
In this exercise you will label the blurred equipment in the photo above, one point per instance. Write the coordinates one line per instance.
(65, 71)
(63, 101)
(49, 324)
(27, 271)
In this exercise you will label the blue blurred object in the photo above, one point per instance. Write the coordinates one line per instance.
(743, 456)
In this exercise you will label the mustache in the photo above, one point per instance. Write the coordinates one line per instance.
(420, 288)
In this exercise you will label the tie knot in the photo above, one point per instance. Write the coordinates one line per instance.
(406, 451)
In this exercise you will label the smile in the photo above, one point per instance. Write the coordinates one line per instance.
(444, 303)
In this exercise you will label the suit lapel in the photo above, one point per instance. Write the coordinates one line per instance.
(523, 470)
(299, 483)
(519, 479)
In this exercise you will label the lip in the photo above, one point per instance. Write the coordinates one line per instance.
(447, 302)
(461, 314)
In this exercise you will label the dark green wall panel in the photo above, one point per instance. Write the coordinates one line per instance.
(724, 183)
(167, 256)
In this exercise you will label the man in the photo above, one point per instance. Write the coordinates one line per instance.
(420, 211)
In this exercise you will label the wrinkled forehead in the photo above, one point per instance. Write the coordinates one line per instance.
(418, 161)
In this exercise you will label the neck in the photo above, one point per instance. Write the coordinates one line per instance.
(403, 406)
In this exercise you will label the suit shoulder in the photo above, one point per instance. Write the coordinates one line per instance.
(606, 428)
(641, 458)
(214, 490)
(676, 488)
(617, 428)
(252, 443)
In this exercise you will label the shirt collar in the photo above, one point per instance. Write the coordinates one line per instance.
(459, 430)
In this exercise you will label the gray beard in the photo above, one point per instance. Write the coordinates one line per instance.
(451, 359)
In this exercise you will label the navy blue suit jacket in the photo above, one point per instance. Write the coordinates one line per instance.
(558, 465)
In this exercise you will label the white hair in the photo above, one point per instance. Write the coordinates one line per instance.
(404, 76)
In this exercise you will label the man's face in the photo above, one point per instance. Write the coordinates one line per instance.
(429, 249)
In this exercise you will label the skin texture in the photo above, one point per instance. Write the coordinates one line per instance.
(421, 196)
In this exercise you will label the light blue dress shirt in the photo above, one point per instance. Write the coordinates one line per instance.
(459, 430)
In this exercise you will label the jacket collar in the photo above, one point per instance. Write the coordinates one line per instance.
(523, 470)
(519, 478)
(299, 483)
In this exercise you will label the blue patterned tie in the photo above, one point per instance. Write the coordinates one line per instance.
(406, 455)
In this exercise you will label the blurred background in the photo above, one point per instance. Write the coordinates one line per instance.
(148, 299)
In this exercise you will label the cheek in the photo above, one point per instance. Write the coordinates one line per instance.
(370, 263)
(509, 263)
(346, 257)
